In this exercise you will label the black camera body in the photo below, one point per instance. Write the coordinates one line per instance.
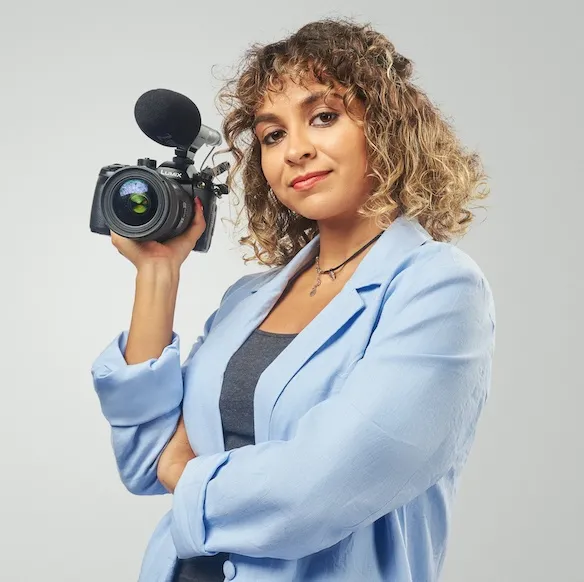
(150, 202)
(146, 202)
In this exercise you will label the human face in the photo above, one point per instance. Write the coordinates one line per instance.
(299, 134)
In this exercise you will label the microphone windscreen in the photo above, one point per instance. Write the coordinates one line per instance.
(168, 118)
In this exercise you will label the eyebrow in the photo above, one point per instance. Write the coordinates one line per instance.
(304, 104)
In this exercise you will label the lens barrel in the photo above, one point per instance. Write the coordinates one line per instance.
(139, 203)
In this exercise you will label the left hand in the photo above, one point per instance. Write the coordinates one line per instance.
(174, 457)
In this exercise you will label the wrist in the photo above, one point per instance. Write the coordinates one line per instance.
(159, 270)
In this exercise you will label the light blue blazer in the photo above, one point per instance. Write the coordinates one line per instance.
(362, 424)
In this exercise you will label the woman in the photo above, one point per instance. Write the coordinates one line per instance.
(318, 427)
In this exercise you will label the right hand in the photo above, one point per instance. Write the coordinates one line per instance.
(173, 251)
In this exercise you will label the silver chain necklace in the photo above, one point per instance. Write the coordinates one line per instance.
(331, 272)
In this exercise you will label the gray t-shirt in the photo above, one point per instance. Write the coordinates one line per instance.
(246, 365)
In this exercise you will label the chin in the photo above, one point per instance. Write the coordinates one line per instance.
(329, 216)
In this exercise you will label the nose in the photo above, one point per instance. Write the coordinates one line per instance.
(299, 147)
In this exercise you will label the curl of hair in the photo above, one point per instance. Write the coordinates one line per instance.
(418, 165)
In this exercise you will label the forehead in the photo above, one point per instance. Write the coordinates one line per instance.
(296, 92)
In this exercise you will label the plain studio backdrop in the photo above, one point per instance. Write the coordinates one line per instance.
(507, 72)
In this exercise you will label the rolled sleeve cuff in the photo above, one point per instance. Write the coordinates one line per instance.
(188, 506)
(133, 394)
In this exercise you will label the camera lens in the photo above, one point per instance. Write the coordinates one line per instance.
(141, 204)
(134, 202)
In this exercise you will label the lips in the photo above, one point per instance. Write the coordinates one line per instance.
(308, 184)
(307, 177)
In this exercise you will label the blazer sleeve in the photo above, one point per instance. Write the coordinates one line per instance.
(404, 417)
(142, 403)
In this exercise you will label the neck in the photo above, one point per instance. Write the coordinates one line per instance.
(339, 241)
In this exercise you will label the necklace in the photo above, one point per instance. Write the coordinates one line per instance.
(331, 272)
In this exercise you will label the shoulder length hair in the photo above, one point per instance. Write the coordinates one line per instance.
(419, 167)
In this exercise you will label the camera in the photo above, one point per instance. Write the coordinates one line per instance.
(150, 202)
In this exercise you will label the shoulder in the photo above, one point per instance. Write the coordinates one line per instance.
(242, 288)
(435, 261)
(444, 271)
(250, 283)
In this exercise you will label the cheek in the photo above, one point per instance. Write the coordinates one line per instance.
(266, 168)
(360, 154)
(352, 160)
(348, 147)
(269, 164)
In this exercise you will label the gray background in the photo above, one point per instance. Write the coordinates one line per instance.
(510, 75)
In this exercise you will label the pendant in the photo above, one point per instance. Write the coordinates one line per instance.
(313, 290)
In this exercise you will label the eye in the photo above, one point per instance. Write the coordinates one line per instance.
(266, 138)
(332, 114)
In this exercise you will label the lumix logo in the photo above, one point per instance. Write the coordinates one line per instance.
(171, 173)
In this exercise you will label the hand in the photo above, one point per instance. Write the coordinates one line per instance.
(173, 251)
(171, 476)
(174, 457)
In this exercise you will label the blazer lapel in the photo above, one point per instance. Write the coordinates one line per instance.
(374, 270)
(243, 316)
(377, 267)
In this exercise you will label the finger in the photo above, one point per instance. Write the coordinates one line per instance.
(193, 231)
(197, 227)
(199, 217)
(117, 241)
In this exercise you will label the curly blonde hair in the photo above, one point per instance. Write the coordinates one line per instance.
(419, 167)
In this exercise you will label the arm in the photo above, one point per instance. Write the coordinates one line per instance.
(139, 381)
(153, 313)
(174, 457)
(405, 416)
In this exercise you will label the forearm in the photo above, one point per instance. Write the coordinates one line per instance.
(153, 312)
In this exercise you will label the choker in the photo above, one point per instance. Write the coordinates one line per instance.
(331, 272)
